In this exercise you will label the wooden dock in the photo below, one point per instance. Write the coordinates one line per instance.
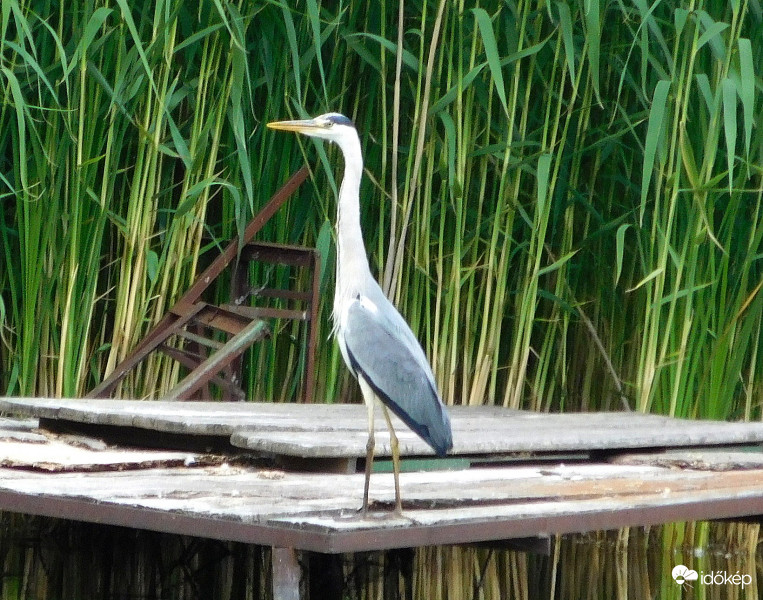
(290, 476)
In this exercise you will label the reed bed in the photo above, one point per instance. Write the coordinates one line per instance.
(49, 558)
(564, 199)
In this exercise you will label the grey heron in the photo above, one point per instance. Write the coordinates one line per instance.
(376, 343)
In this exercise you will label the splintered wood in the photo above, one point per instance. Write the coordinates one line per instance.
(28, 447)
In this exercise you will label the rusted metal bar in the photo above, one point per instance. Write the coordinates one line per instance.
(107, 385)
(312, 331)
(200, 339)
(230, 389)
(218, 361)
(222, 320)
(282, 294)
(239, 290)
(266, 312)
(281, 254)
(197, 349)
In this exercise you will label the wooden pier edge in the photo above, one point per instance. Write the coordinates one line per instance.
(483, 531)
(289, 574)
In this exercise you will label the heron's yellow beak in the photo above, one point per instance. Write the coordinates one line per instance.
(304, 126)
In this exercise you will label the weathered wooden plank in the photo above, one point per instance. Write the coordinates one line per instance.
(57, 456)
(340, 430)
(14, 424)
(21, 431)
(478, 432)
(319, 512)
(24, 448)
(286, 574)
(250, 493)
(193, 418)
(246, 493)
(337, 444)
(699, 460)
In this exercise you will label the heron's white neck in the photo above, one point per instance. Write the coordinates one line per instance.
(352, 263)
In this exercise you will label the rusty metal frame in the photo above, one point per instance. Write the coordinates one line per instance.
(290, 256)
(190, 312)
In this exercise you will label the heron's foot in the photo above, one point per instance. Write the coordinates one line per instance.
(380, 510)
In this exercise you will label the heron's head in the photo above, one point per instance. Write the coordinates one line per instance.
(331, 126)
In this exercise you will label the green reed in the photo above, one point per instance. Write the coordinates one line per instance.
(563, 199)
(565, 203)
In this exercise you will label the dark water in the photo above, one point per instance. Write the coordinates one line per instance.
(57, 559)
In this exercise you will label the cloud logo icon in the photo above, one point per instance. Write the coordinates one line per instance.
(683, 575)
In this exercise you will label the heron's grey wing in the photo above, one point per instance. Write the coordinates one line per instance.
(383, 350)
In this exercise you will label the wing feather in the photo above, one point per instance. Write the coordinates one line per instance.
(382, 348)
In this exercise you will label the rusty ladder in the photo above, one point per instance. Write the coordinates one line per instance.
(191, 320)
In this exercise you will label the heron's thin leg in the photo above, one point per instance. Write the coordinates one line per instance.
(370, 398)
(395, 461)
